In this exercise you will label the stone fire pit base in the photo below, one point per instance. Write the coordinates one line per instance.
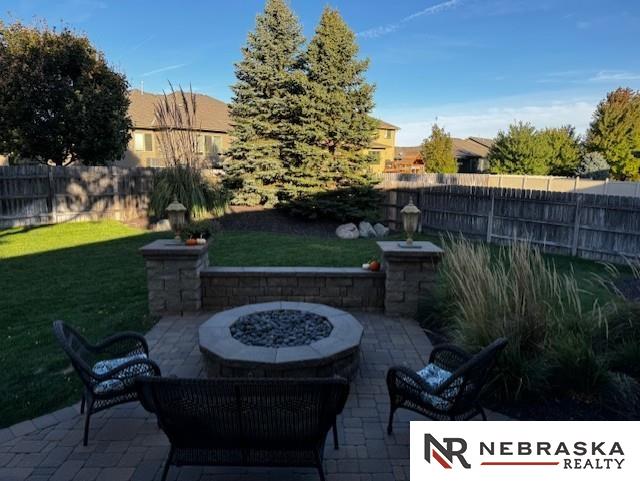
(336, 354)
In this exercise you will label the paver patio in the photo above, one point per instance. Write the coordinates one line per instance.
(125, 442)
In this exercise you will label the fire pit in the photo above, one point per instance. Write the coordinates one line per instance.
(281, 339)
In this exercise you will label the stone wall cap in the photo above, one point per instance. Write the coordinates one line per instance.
(290, 272)
(172, 248)
(423, 249)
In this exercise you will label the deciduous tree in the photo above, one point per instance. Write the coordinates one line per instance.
(615, 132)
(60, 101)
(520, 150)
(437, 152)
(564, 150)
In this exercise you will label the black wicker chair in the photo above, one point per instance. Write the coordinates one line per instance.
(107, 369)
(245, 422)
(456, 398)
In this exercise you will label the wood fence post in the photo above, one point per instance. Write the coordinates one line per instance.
(576, 226)
(53, 215)
(490, 218)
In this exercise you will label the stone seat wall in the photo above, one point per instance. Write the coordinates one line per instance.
(346, 287)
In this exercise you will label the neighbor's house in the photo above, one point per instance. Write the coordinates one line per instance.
(212, 119)
(471, 154)
(382, 149)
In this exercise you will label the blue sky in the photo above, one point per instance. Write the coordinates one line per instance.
(476, 65)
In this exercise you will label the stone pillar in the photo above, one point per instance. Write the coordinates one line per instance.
(410, 275)
(173, 276)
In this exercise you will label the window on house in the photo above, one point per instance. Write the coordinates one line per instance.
(143, 142)
(375, 156)
(209, 144)
(217, 144)
(388, 134)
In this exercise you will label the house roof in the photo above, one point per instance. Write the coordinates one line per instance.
(470, 148)
(483, 141)
(462, 148)
(386, 125)
(211, 114)
(407, 153)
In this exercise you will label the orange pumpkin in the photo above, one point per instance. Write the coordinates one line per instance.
(374, 266)
(191, 242)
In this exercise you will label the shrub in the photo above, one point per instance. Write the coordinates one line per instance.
(593, 166)
(205, 228)
(344, 205)
(187, 184)
(516, 294)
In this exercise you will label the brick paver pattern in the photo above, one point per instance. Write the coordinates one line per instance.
(125, 442)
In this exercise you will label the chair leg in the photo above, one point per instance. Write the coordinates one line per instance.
(392, 410)
(335, 436)
(88, 411)
(167, 465)
(87, 420)
(320, 468)
(482, 413)
(84, 400)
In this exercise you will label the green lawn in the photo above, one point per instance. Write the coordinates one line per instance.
(91, 275)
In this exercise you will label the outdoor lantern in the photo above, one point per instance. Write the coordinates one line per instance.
(176, 213)
(410, 214)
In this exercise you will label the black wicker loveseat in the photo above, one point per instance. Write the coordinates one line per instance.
(449, 386)
(245, 422)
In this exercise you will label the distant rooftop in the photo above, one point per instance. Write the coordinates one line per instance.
(211, 114)
(386, 125)
(470, 147)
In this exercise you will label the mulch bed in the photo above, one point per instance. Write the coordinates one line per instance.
(273, 220)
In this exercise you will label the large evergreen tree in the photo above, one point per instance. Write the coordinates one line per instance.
(520, 150)
(615, 132)
(437, 152)
(264, 106)
(335, 128)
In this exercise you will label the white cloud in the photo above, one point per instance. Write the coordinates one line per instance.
(163, 69)
(485, 119)
(614, 76)
(381, 30)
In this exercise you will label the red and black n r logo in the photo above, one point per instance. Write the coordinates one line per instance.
(455, 447)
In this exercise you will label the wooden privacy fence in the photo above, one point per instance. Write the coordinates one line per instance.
(598, 227)
(40, 194)
(524, 182)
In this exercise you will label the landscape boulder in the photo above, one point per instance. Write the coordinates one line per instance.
(366, 230)
(381, 231)
(348, 231)
(162, 225)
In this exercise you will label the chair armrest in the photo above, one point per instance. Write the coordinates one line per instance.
(113, 373)
(448, 356)
(130, 341)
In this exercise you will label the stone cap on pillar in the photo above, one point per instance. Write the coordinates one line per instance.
(171, 248)
(420, 250)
